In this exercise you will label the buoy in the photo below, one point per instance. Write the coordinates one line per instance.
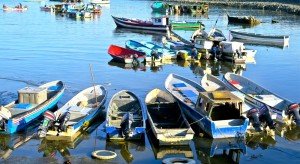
(178, 160)
(104, 154)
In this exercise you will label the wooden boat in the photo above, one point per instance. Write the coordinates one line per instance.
(155, 24)
(47, 8)
(276, 40)
(209, 110)
(125, 119)
(167, 54)
(31, 104)
(286, 110)
(186, 25)
(159, 7)
(75, 115)
(100, 1)
(124, 55)
(16, 8)
(137, 46)
(248, 20)
(166, 119)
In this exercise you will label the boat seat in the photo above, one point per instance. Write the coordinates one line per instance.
(77, 109)
(179, 85)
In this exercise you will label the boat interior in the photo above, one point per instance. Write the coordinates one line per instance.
(225, 111)
(261, 94)
(122, 104)
(84, 108)
(160, 109)
(29, 100)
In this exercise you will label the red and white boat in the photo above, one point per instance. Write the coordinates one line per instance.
(155, 24)
(16, 8)
(125, 55)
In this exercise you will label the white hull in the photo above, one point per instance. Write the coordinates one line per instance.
(263, 39)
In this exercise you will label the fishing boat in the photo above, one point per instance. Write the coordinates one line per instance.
(159, 7)
(259, 119)
(167, 53)
(31, 104)
(276, 40)
(186, 25)
(209, 110)
(75, 115)
(16, 8)
(155, 24)
(166, 119)
(137, 46)
(47, 8)
(93, 8)
(125, 119)
(100, 1)
(124, 55)
(286, 110)
(236, 52)
(247, 20)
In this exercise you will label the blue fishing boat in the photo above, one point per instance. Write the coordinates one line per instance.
(217, 113)
(167, 53)
(75, 116)
(32, 103)
(125, 119)
(134, 45)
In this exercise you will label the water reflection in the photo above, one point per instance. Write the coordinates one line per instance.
(10, 142)
(216, 68)
(127, 66)
(291, 133)
(260, 140)
(219, 150)
(156, 35)
(52, 147)
(126, 148)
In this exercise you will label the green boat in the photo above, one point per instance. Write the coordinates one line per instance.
(159, 6)
(179, 25)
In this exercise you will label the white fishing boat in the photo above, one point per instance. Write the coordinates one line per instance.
(217, 113)
(276, 40)
(77, 114)
(259, 117)
(286, 110)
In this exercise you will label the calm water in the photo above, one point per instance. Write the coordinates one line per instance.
(37, 47)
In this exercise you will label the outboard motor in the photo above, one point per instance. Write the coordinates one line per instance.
(63, 120)
(4, 116)
(293, 110)
(48, 121)
(126, 123)
(265, 116)
(253, 115)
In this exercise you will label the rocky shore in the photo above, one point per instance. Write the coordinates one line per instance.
(291, 7)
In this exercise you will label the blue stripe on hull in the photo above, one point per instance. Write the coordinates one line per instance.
(14, 127)
(209, 127)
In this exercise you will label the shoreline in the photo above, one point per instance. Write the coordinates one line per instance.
(275, 6)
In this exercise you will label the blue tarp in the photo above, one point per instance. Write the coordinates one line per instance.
(23, 106)
(188, 93)
(177, 85)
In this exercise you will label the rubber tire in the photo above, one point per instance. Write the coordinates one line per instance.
(178, 159)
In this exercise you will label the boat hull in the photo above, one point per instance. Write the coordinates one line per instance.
(205, 123)
(17, 124)
(281, 41)
(125, 24)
